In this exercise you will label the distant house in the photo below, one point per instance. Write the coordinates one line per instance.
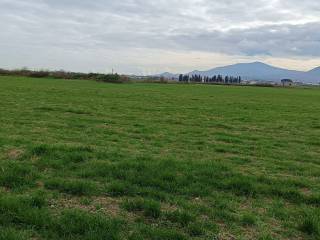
(286, 82)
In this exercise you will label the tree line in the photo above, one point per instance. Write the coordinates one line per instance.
(99, 77)
(205, 79)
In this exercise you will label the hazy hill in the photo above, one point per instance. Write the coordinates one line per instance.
(168, 75)
(315, 71)
(259, 71)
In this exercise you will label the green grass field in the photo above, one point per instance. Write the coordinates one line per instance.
(86, 160)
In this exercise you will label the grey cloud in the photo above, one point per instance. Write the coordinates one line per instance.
(262, 27)
(275, 40)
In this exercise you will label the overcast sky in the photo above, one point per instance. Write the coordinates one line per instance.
(151, 36)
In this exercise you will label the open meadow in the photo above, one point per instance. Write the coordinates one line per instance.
(81, 160)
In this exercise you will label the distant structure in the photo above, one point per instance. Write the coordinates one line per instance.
(286, 82)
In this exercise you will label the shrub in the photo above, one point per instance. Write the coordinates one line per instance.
(110, 78)
(39, 74)
(4, 72)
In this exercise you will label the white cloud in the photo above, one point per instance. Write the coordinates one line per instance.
(87, 35)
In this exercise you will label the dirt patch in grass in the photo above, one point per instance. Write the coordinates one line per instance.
(4, 190)
(15, 153)
(306, 191)
(168, 207)
(250, 233)
(107, 205)
(224, 235)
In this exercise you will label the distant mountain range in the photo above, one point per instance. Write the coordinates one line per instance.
(168, 75)
(257, 71)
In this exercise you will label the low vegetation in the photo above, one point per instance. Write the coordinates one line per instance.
(83, 160)
(99, 77)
